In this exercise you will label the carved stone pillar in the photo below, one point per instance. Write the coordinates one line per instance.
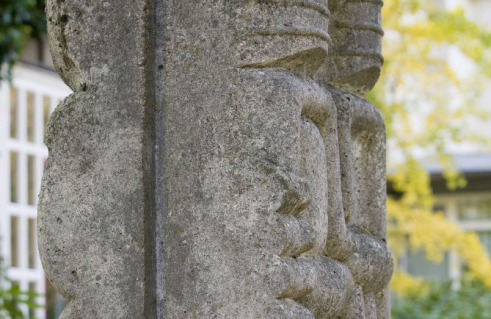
(217, 160)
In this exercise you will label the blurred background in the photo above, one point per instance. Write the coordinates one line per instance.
(435, 94)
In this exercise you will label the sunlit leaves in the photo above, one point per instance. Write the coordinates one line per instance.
(430, 103)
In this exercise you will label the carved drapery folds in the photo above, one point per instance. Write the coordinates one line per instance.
(224, 162)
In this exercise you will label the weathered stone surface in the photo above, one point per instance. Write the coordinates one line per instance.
(218, 160)
(96, 202)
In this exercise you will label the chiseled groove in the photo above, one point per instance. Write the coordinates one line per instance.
(366, 53)
(310, 4)
(348, 24)
(284, 31)
(379, 2)
(296, 296)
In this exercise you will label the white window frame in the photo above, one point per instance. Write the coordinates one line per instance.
(41, 82)
(450, 204)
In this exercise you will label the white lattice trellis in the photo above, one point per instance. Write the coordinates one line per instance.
(24, 109)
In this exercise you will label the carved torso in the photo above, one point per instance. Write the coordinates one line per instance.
(248, 176)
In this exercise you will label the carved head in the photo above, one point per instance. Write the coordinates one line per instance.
(291, 34)
(355, 60)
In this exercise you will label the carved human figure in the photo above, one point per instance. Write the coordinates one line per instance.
(347, 278)
(351, 132)
(224, 163)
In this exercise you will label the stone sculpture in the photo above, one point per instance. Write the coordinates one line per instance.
(217, 160)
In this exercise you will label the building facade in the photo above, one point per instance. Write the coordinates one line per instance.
(25, 107)
(469, 207)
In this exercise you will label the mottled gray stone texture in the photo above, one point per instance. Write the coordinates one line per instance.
(218, 159)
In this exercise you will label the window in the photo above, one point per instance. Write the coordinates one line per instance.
(31, 178)
(474, 209)
(32, 298)
(31, 242)
(46, 111)
(14, 241)
(14, 170)
(27, 106)
(30, 117)
(54, 302)
(14, 112)
(485, 238)
(418, 265)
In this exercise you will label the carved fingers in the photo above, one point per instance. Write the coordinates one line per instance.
(362, 177)
(299, 237)
(371, 264)
(319, 284)
(339, 242)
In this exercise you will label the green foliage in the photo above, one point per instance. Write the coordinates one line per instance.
(12, 298)
(20, 20)
(471, 301)
(428, 104)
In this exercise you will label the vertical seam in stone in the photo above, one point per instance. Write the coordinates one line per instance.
(148, 155)
(161, 193)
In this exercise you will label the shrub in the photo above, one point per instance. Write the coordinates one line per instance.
(471, 301)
